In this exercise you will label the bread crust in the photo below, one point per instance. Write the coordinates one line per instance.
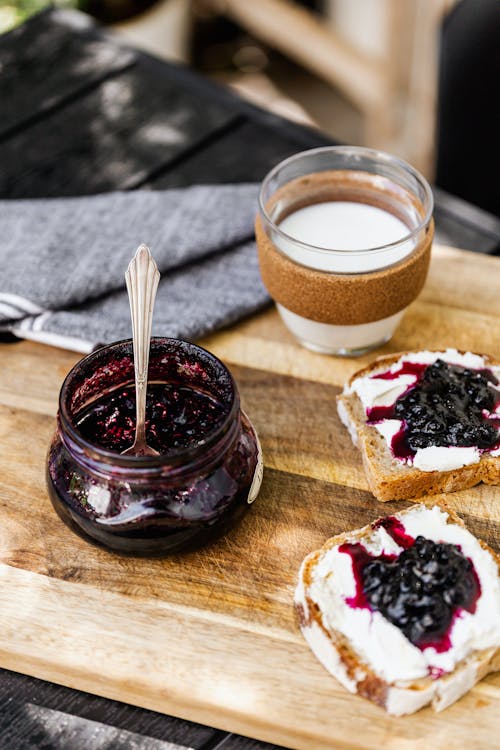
(390, 479)
(336, 654)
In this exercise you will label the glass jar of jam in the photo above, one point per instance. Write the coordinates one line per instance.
(209, 464)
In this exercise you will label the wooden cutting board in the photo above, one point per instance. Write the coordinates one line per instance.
(210, 636)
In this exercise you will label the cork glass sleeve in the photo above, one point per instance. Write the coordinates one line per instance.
(344, 236)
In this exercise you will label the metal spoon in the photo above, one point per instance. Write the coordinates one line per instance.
(142, 277)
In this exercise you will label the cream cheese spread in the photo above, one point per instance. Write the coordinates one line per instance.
(379, 392)
(382, 646)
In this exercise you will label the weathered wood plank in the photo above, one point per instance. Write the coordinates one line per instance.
(30, 727)
(175, 660)
(245, 154)
(234, 742)
(144, 122)
(34, 711)
(461, 224)
(48, 60)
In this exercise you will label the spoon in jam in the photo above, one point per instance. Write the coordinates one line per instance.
(142, 277)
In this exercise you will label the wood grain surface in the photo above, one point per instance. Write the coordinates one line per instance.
(210, 636)
(35, 51)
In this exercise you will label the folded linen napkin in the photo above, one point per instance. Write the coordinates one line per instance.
(63, 260)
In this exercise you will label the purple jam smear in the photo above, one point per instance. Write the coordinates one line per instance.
(421, 591)
(406, 368)
(177, 417)
(360, 559)
(396, 530)
(379, 413)
(448, 405)
(400, 446)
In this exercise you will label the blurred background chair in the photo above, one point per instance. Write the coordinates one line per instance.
(380, 55)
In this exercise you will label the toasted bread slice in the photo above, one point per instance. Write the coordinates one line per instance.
(392, 479)
(338, 655)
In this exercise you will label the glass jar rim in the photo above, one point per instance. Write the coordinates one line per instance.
(348, 151)
(177, 458)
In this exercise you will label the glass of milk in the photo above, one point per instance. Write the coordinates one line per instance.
(344, 235)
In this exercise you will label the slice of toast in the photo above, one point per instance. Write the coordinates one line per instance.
(338, 654)
(390, 478)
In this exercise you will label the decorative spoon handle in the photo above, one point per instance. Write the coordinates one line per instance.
(142, 277)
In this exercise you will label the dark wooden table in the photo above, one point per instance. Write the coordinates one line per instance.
(80, 114)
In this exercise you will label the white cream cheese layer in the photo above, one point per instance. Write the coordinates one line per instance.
(445, 457)
(381, 645)
(379, 392)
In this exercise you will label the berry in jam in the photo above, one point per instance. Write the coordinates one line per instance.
(420, 592)
(177, 417)
(448, 406)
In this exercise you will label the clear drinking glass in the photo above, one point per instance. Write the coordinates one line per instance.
(344, 299)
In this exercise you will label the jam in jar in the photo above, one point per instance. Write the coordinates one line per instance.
(209, 464)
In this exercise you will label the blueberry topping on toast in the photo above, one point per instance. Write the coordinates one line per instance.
(446, 407)
(405, 610)
(420, 591)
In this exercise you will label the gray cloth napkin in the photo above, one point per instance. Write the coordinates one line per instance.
(63, 260)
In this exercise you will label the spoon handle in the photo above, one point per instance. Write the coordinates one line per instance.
(142, 277)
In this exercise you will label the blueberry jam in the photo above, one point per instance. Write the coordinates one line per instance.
(449, 405)
(360, 559)
(205, 476)
(446, 408)
(396, 530)
(421, 591)
(176, 417)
